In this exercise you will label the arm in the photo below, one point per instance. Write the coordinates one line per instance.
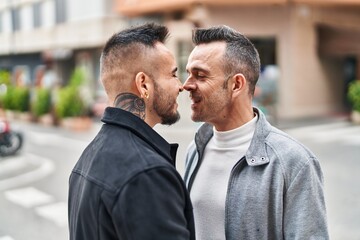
(152, 206)
(305, 212)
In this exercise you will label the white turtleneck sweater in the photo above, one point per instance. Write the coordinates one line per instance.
(209, 189)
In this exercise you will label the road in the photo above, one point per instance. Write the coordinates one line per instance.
(33, 184)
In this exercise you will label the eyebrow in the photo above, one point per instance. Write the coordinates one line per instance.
(199, 70)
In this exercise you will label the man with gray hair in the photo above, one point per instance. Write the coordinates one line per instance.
(247, 179)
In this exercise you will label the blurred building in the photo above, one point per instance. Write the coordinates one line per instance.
(313, 44)
(309, 48)
(41, 36)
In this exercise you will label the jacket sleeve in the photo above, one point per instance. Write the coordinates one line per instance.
(152, 207)
(304, 210)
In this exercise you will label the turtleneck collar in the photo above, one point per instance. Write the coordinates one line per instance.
(235, 137)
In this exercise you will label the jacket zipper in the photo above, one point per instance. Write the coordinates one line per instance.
(227, 194)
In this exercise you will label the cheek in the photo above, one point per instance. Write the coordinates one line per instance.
(168, 95)
(218, 99)
(210, 91)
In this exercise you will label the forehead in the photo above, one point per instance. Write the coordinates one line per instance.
(207, 54)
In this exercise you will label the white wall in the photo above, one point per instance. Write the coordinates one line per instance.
(6, 21)
(84, 9)
(26, 17)
(48, 14)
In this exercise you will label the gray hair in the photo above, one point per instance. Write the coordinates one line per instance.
(240, 55)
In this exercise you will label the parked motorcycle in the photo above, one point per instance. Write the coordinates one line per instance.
(10, 141)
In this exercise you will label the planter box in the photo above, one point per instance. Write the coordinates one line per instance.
(11, 115)
(16, 115)
(46, 119)
(355, 117)
(76, 123)
(25, 116)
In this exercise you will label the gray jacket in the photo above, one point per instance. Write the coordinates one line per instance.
(275, 191)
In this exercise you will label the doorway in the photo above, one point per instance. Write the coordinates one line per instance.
(340, 45)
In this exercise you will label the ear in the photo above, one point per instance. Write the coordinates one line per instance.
(238, 83)
(142, 82)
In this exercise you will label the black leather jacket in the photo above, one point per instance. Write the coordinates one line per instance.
(125, 186)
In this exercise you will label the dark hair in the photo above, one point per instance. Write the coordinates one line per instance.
(128, 52)
(147, 34)
(240, 55)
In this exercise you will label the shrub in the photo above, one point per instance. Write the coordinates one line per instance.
(5, 82)
(70, 100)
(77, 77)
(69, 103)
(7, 99)
(5, 77)
(21, 99)
(42, 102)
(354, 95)
(17, 99)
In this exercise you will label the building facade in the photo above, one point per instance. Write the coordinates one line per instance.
(311, 46)
(55, 34)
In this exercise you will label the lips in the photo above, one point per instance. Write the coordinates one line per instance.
(195, 98)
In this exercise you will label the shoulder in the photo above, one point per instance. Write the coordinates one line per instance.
(156, 176)
(284, 144)
(290, 154)
(110, 161)
(153, 182)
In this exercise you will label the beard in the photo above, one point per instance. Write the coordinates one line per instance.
(164, 106)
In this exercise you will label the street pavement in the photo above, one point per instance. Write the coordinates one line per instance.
(336, 142)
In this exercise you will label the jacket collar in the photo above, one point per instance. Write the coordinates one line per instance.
(125, 119)
(255, 155)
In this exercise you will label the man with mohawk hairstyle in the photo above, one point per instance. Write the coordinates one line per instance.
(125, 185)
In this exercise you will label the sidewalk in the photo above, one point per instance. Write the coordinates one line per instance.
(310, 121)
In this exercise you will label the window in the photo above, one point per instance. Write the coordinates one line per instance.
(15, 17)
(1, 22)
(267, 50)
(60, 11)
(37, 14)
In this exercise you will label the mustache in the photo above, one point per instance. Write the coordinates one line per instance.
(193, 95)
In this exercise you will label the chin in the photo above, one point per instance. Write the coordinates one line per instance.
(196, 118)
(169, 120)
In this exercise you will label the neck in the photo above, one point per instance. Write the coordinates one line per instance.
(234, 120)
(131, 103)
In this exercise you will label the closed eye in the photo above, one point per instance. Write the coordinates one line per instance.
(199, 75)
(174, 73)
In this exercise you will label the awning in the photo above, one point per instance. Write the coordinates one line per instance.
(142, 7)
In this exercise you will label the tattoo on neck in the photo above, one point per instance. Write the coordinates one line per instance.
(131, 103)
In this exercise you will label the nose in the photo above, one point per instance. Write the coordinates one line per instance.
(189, 84)
(180, 86)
